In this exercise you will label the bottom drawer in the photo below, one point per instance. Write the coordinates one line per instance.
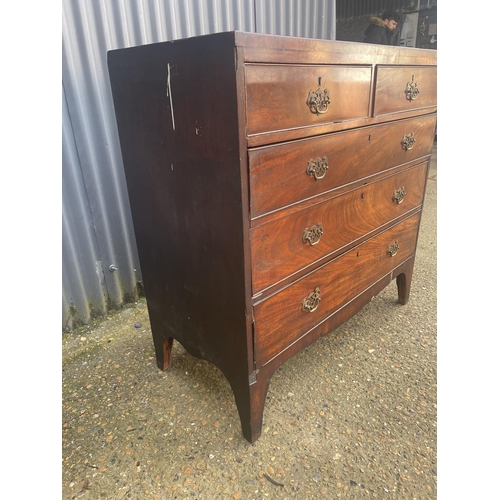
(286, 316)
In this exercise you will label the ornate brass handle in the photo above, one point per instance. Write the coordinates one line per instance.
(392, 249)
(317, 167)
(312, 234)
(318, 101)
(399, 195)
(408, 141)
(311, 302)
(411, 90)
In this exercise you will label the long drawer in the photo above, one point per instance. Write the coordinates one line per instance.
(288, 96)
(404, 88)
(289, 314)
(288, 173)
(286, 245)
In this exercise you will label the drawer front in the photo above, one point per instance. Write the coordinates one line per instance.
(286, 316)
(285, 96)
(284, 246)
(288, 173)
(404, 88)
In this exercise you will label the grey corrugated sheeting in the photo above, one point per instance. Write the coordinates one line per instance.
(97, 225)
(309, 19)
(80, 254)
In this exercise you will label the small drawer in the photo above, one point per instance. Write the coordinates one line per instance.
(285, 317)
(404, 88)
(280, 97)
(284, 246)
(285, 174)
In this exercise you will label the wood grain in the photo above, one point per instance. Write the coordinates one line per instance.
(277, 95)
(280, 319)
(278, 249)
(391, 84)
(278, 175)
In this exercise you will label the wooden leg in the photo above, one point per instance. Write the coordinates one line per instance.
(250, 402)
(403, 281)
(163, 348)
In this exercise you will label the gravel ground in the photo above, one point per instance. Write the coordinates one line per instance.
(353, 416)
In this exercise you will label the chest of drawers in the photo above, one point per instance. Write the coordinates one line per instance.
(276, 185)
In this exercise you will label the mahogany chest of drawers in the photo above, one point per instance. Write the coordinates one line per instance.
(276, 185)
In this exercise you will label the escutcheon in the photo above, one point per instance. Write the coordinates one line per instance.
(317, 168)
(311, 302)
(411, 90)
(318, 101)
(392, 249)
(312, 234)
(399, 195)
(408, 141)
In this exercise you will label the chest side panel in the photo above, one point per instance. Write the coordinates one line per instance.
(184, 178)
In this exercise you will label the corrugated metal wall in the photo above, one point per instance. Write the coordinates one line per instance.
(100, 264)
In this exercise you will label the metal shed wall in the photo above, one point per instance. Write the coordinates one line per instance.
(100, 263)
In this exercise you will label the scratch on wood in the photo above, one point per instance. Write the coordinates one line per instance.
(169, 93)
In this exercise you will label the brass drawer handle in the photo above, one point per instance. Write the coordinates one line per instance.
(411, 90)
(408, 141)
(312, 234)
(399, 195)
(318, 100)
(311, 302)
(317, 168)
(392, 249)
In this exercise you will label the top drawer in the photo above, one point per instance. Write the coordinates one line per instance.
(403, 88)
(281, 97)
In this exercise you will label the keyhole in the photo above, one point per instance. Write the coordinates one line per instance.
(362, 196)
(319, 81)
(369, 138)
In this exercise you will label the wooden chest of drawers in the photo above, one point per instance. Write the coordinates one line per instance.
(276, 185)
